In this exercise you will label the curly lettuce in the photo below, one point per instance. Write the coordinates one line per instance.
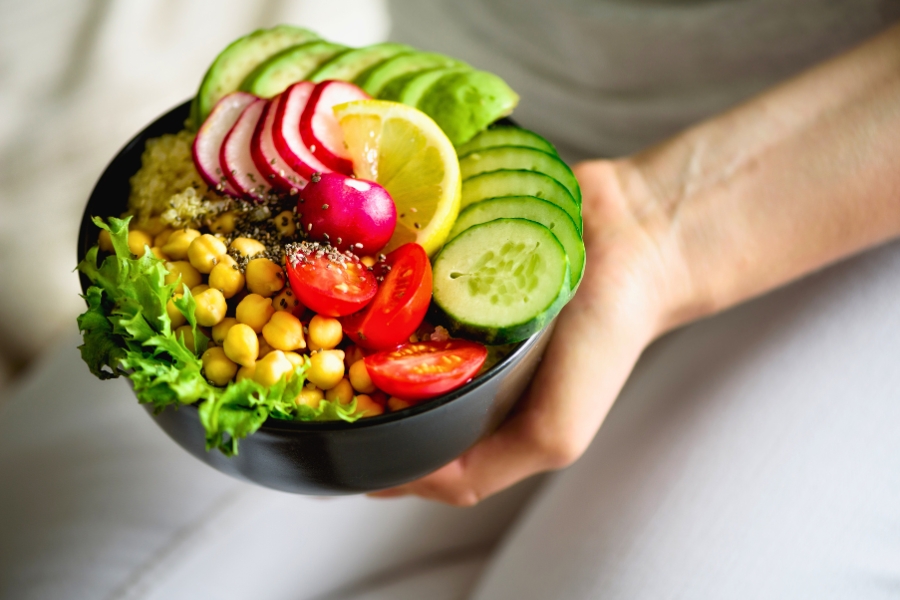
(127, 332)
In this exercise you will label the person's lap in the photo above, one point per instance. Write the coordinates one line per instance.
(751, 455)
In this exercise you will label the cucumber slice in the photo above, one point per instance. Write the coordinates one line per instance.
(515, 157)
(289, 66)
(506, 135)
(502, 281)
(464, 104)
(507, 182)
(350, 65)
(236, 61)
(533, 209)
(375, 79)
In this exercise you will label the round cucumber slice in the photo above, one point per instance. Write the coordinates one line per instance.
(516, 157)
(349, 65)
(533, 209)
(238, 59)
(507, 182)
(375, 79)
(289, 66)
(502, 281)
(506, 135)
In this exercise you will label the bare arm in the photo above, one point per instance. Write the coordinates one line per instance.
(797, 178)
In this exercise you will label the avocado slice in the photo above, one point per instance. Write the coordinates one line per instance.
(241, 56)
(375, 79)
(349, 65)
(416, 87)
(289, 66)
(464, 104)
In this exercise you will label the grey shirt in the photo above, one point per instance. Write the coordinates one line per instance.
(608, 77)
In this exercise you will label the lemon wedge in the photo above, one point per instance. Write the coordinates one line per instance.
(405, 151)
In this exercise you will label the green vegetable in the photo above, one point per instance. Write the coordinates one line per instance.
(127, 332)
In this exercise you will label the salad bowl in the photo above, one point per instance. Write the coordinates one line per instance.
(330, 458)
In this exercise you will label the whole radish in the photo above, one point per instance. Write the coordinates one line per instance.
(350, 214)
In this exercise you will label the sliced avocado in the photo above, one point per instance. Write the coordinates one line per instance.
(376, 78)
(289, 66)
(464, 104)
(233, 64)
(418, 84)
(349, 65)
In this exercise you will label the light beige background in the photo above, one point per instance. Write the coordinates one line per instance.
(77, 79)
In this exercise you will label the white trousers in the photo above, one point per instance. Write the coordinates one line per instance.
(752, 455)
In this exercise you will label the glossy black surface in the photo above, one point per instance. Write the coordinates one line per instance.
(330, 458)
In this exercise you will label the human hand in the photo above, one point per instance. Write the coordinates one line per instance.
(633, 276)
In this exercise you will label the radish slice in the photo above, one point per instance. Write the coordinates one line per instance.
(286, 131)
(266, 157)
(320, 129)
(208, 142)
(235, 158)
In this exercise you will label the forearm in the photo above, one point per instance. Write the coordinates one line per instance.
(792, 180)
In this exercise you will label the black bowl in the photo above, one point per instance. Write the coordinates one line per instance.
(335, 457)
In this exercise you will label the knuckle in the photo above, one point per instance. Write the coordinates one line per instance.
(555, 448)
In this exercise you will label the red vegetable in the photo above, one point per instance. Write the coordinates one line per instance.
(286, 131)
(320, 129)
(208, 143)
(235, 159)
(425, 369)
(328, 282)
(262, 148)
(400, 304)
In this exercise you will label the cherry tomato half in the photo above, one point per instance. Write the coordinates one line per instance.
(425, 369)
(400, 304)
(329, 282)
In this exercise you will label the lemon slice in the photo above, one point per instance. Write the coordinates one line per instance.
(405, 151)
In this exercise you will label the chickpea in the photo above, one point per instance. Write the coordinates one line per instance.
(342, 392)
(394, 404)
(310, 396)
(264, 277)
(284, 223)
(359, 378)
(220, 330)
(241, 345)
(264, 347)
(296, 359)
(224, 223)
(158, 253)
(199, 289)
(179, 241)
(175, 315)
(284, 332)
(325, 332)
(353, 354)
(211, 307)
(255, 311)
(153, 226)
(367, 407)
(162, 237)
(247, 247)
(187, 333)
(245, 373)
(217, 367)
(205, 252)
(105, 241)
(226, 277)
(368, 261)
(183, 269)
(326, 369)
(286, 300)
(137, 240)
(271, 368)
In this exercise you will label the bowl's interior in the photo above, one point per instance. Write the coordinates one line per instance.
(110, 198)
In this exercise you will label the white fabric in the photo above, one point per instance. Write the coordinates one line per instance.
(753, 455)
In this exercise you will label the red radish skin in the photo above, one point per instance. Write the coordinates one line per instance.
(350, 214)
(320, 129)
(235, 158)
(262, 148)
(286, 131)
(208, 143)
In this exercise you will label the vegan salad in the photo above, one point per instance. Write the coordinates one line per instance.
(336, 233)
